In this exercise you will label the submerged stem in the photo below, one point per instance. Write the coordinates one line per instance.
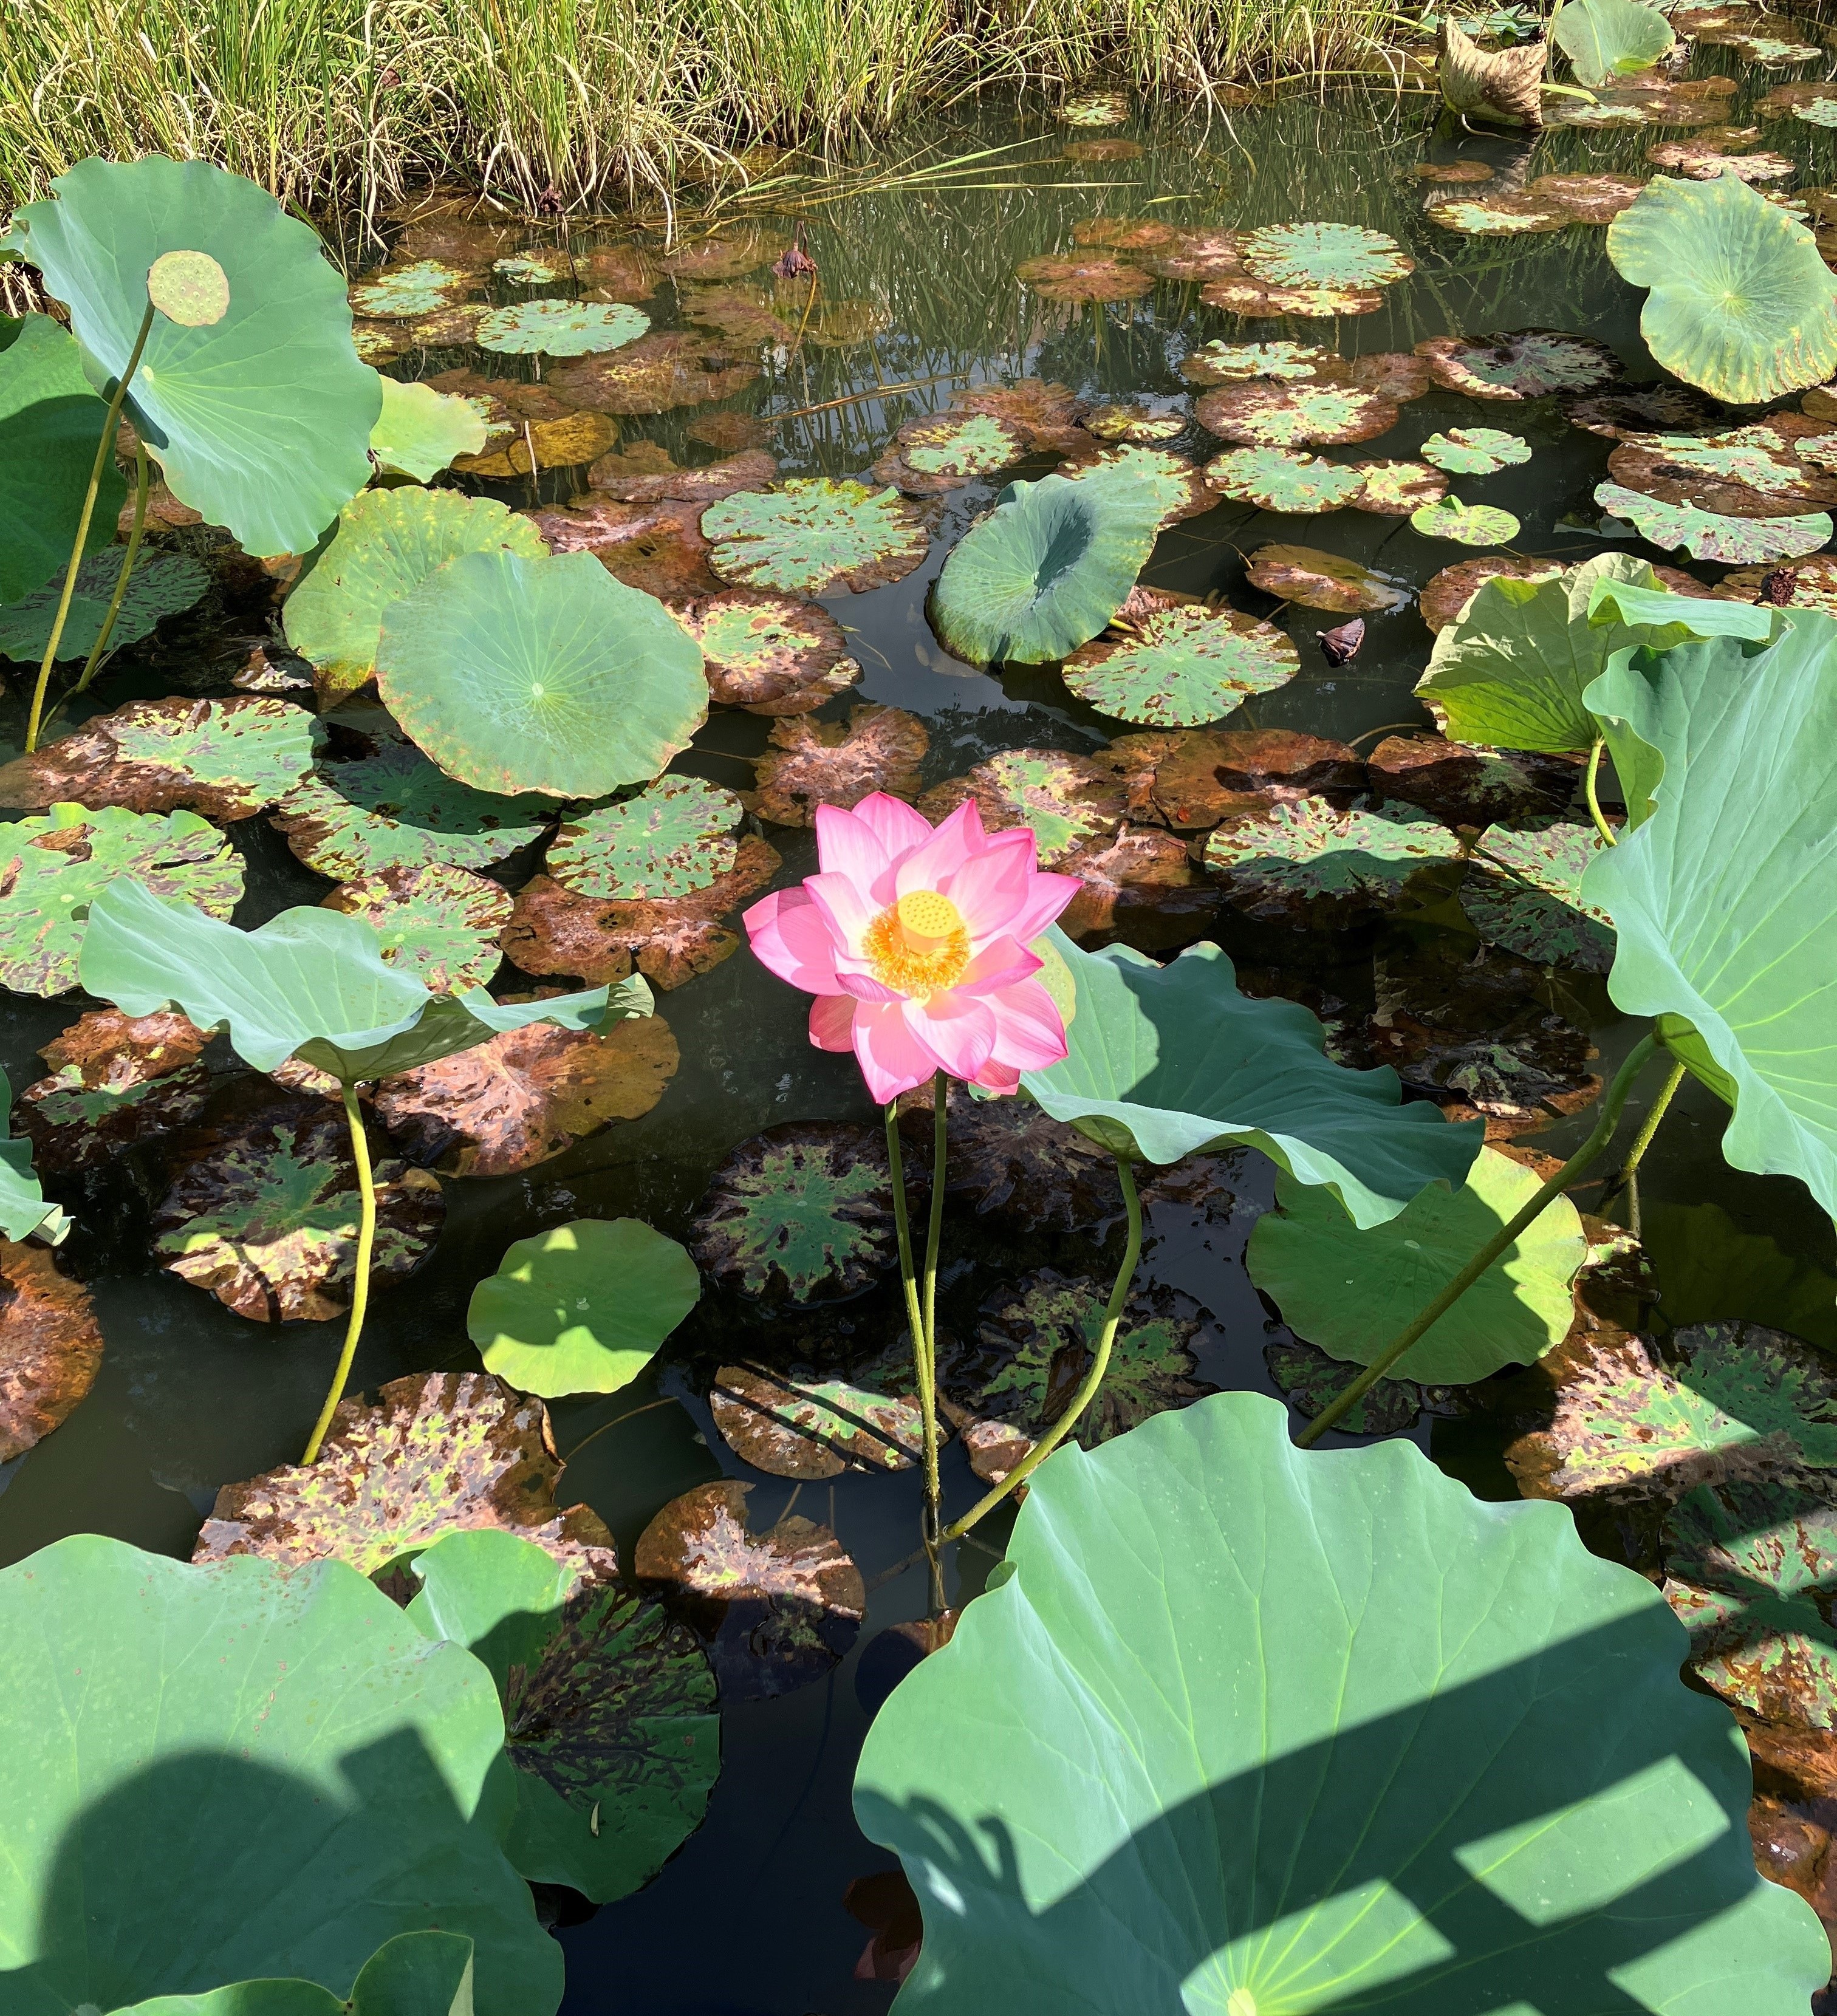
(924, 1369)
(1589, 784)
(360, 1287)
(1638, 1058)
(1087, 1391)
(121, 580)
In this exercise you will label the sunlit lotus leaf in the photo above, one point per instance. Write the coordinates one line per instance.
(423, 284)
(1283, 480)
(1711, 1270)
(115, 1081)
(1502, 216)
(1318, 580)
(1524, 893)
(1758, 471)
(675, 837)
(802, 1213)
(50, 1344)
(372, 1747)
(1476, 451)
(162, 584)
(814, 536)
(386, 542)
(1256, 300)
(609, 1721)
(438, 922)
(723, 254)
(1708, 536)
(1464, 785)
(1588, 199)
(1312, 1380)
(943, 451)
(658, 372)
(1095, 108)
(1448, 594)
(53, 869)
(1500, 87)
(1395, 489)
(1606, 39)
(1220, 363)
(1183, 667)
(1130, 420)
(771, 654)
(421, 431)
(1740, 303)
(1068, 801)
(1524, 364)
(561, 328)
(263, 1209)
(807, 1422)
(1133, 472)
(1641, 409)
(1236, 1856)
(1319, 255)
(226, 758)
(1805, 584)
(51, 421)
(1044, 409)
(562, 443)
(1284, 415)
(1467, 524)
(813, 763)
(274, 385)
(1307, 859)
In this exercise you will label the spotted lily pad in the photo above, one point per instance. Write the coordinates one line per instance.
(1467, 785)
(1307, 859)
(1702, 161)
(1013, 1164)
(1757, 471)
(769, 654)
(1278, 415)
(115, 1081)
(1467, 524)
(439, 1453)
(1254, 300)
(1525, 364)
(263, 1211)
(807, 1422)
(1095, 108)
(675, 837)
(561, 329)
(1318, 580)
(1194, 781)
(418, 288)
(1130, 420)
(1524, 893)
(1297, 255)
(436, 921)
(1132, 472)
(657, 373)
(1182, 667)
(1395, 489)
(1281, 479)
(802, 1213)
(1218, 362)
(1596, 199)
(1068, 801)
(1093, 277)
(1474, 451)
(1311, 1381)
(1505, 215)
(813, 763)
(944, 450)
(1043, 409)
(50, 1347)
(162, 584)
(1707, 535)
(52, 868)
(535, 268)
(814, 536)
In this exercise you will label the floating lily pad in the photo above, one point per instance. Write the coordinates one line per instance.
(1130, 420)
(1255, 299)
(657, 373)
(1068, 801)
(162, 584)
(774, 1611)
(263, 1211)
(1295, 415)
(1131, 473)
(1318, 580)
(1183, 667)
(807, 1422)
(1448, 595)
(1758, 471)
(724, 254)
(563, 442)
(1395, 489)
(1308, 860)
(745, 314)
(943, 451)
(1702, 162)
(1200, 779)
(53, 869)
(729, 433)
(1043, 409)
(1525, 364)
(1474, 451)
(1505, 215)
(561, 329)
(1638, 409)
(675, 837)
(1467, 524)
(1597, 199)
(436, 921)
(444, 326)
(771, 654)
(1095, 108)
(622, 477)
(814, 536)
(802, 1213)
(398, 292)
(1524, 893)
(1090, 279)
(1220, 363)
(50, 1347)
(1466, 785)
(1083, 151)
(116, 1081)
(658, 548)
(441, 1452)
(1281, 479)
(1810, 583)
(1312, 1381)
(535, 268)
(225, 758)
(1319, 255)
(1013, 1164)
(813, 763)
(1707, 535)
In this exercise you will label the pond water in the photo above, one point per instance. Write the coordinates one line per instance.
(747, 1919)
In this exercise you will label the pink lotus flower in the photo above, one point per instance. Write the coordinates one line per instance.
(914, 941)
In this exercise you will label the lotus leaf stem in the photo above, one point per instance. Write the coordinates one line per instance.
(918, 1317)
(360, 1286)
(1594, 811)
(1093, 1379)
(104, 448)
(1638, 1058)
(128, 559)
(1626, 1176)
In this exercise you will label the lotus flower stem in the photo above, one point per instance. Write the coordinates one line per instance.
(1087, 1391)
(1638, 1058)
(360, 1286)
(1626, 1176)
(128, 559)
(1608, 837)
(923, 1359)
(104, 448)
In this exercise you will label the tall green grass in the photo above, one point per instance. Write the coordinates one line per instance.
(598, 101)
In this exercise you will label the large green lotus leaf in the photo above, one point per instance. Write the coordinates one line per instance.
(1709, 1269)
(1250, 1728)
(581, 1307)
(1605, 39)
(1350, 1292)
(309, 983)
(1045, 572)
(610, 1719)
(50, 423)
(813, 536)
(388, 541)
(1723, 900)
(561, 329)
(261, 420)
(22, 1209)
(169, 1727)
(1168, 1061)
(1183, 667)
(420, 430)
(1711, 535)
(518, 674)
(1743, 304)
(415, 1974)
(161, 584)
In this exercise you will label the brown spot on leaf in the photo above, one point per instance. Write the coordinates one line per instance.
(813, 763)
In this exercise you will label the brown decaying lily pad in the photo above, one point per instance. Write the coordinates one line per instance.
(1089, 279)
(530, 1094)
(50, 1346)
(1070, 802)
(1205, 253)
(1464, 786)
(116, 1080)
(1641, 409)
(1452, 171)
(1140, 888)
(436, 921)
(263, 1208)
(1044, 410)
(1522, 364)
(1126, 234)
(1395, 489)
(1702, 161)
(774, 1609)
(729, 433)
(617, 273)
(1762, 475)
(552, 930)
(1318, 580)
(752, 469)
(1588, 199)
(724, 254)
(1806, 583)
(1218, 773)
(439, 1453)
(1013, 1164)
(810, 1422)
(813, 763)
(667, 369)
(511, 399)
(1307, 415)
(1086, 152)
(658, 548)
(1257, 301)
(768, 653)
(560, 443)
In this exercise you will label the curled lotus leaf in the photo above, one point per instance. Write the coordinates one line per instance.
(1524, 892)
(1395, 489)
(395, 293)
(1093, 277)
(50, 1347)
(1467, 524)
(1709, 535)
(1588, 199)
(812, 1422)
(561, 329)
(1318, 580)
(1182, 667)
(813, 763)
(1526, 364)
(1505, 215)
(53, 869)
(1295, 415)
(1501, 86)
(162, 584)
(1350, 1292)
(1010, 1162)
(657, 373)
(1758, 471)
(1068, 801)
(439, 1453)
(769, 654)
(1474, 451)
(436, 921)
(1318, 255)
(1132, 471)
(801, 1214)
(115, 1081)
(814, 536)
(1311, 1381)
(51, 424)
(609, 1708)
(419, 431)
(1218, 362)
(263, 1208)
(1304, 857)
(225, 758)
(675, 837)
(1282, 480)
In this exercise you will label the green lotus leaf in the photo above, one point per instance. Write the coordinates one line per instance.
(1131, 471)
(386, 542)
(675, 837)
(309, 983)
(1277, 479)
(1709, 1269)
(274, 386)
(51, 421)
(417, 289)
(1170, 1061)
(262, 1705)
(161, 584)
(1476, 451)
(581, 1307)
(420, 430)
(1365, 1742)
(415, 1974)
(1741, 303)
(1468, 524)
(1183, 667)
(1217, 362)
(813, 536)
(1304, 850)
(1350, 1292)
(1524, 892)
(440, 923)
(1267, 415)
(1324, 255)
(1605, 39)
(561, 329)
(54, 869)
(1044, 572)
(1723, 899)
(24, 1212)
(547, 676)
(812, 1422)
(1708, 536)
(963, 445)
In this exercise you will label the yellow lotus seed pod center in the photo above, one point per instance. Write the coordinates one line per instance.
(188, 288)
(928, 919)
